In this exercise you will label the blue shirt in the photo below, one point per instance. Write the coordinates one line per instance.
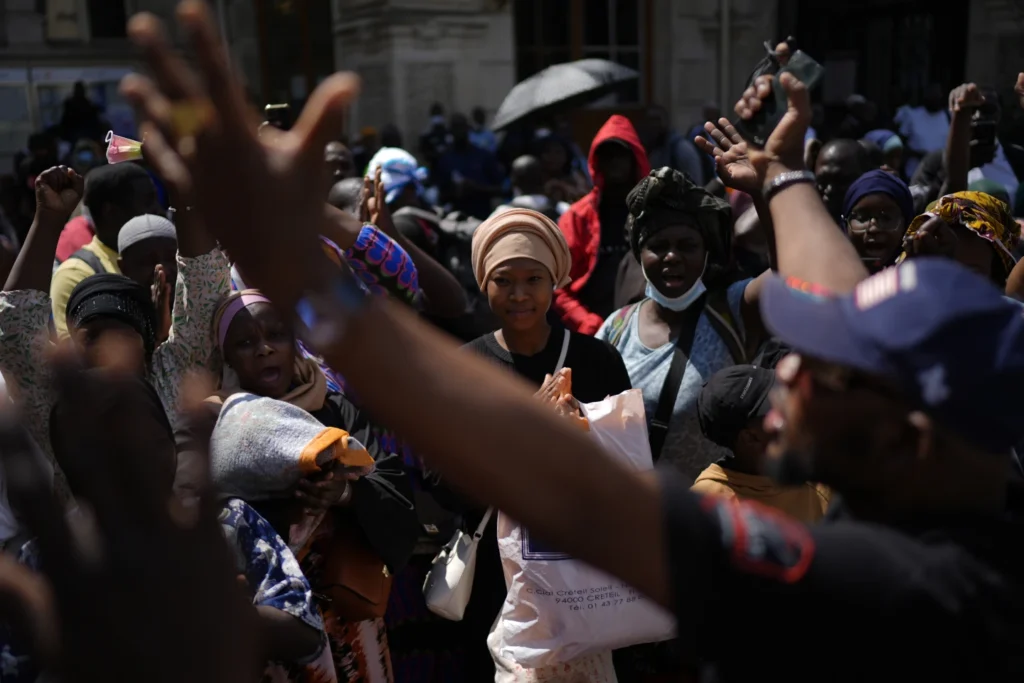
(473, 164)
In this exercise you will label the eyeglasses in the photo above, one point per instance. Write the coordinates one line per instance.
(860, 220)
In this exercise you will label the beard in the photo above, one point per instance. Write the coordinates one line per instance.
(791, 468)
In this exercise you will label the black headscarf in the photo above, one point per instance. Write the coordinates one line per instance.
(667, 197)
(109, 295)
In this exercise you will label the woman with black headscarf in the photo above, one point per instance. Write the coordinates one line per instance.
(113, 304)
(697, 313)
(697, 318)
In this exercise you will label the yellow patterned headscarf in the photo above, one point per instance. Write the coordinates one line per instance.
(980, 212)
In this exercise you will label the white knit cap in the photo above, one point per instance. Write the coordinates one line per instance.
(143, 228)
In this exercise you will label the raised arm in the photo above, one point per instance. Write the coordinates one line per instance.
(964, 100)
(809, 245)
(204, 276)
(25, 310)
(444, 295)
(58, 191)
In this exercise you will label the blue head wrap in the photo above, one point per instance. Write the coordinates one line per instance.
(881, 182)
(886, 140)
(399, 170)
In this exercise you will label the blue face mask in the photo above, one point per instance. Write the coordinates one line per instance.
(684, 300)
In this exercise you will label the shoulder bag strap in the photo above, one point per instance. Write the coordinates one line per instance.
(90, 259)
(620, 321)
(722, 320)
(561, 362)
(563, 354)
(482, 526)
(658, 429)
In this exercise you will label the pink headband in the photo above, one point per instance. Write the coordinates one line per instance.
(232, 310)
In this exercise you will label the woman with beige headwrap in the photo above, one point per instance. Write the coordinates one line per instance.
(519, 258)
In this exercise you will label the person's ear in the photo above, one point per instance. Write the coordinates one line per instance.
(924, 434)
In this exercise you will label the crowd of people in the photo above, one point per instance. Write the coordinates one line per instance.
(258, 380)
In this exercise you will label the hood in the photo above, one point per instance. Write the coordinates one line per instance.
(618, 128)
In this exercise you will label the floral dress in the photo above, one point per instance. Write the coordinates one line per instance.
(271, 573)
(25, 346)
(275, 580)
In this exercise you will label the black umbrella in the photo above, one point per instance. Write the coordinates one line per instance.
(561, 86)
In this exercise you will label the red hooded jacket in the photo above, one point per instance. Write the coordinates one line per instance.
(581, 225)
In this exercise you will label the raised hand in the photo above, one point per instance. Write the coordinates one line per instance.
(785, 146)
(261, 196)
(966, 98)
(1018, 88)
(162, 296)
(58, 191)
(380, 214)
(731, 160)
(935, 238)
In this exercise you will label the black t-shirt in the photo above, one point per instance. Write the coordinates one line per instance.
(597, 368)
(764, 597)
(598, 371)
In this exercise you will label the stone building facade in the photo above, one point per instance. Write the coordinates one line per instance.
(466, 53)
(463, 53)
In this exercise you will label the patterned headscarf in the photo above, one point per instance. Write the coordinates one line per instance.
(667, 196)
(399, 169)
(980, 212)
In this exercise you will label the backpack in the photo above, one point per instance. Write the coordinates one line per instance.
(718, 314)
(90, 259)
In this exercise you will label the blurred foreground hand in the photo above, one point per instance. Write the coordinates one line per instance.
(129, 590)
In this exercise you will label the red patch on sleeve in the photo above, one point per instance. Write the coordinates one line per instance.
(761, 540)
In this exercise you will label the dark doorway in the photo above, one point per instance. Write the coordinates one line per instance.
(886, 50)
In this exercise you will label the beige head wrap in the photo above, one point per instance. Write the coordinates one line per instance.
(520, 233)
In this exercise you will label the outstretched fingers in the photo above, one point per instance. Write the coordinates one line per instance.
(730, 130)
(223, 88)
(172, 74)
(707, 146)
(323, 117)
(719, 136)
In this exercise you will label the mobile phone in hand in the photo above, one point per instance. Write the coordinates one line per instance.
(758, 129)
(278, 115)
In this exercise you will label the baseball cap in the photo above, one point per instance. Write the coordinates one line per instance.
(943, 334)
(730, 399)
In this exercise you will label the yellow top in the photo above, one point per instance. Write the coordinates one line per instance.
(806, 503)
(70, 273)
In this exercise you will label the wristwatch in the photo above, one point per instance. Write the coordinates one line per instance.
(323, 314)
(784, 180)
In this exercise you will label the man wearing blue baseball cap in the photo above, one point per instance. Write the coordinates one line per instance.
(929, 339)
(903, 396)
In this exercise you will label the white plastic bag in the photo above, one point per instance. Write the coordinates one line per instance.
(590, 669)
(559, 609)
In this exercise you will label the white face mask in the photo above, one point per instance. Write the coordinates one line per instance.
(684, 300)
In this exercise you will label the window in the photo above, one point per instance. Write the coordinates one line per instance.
(551, 31)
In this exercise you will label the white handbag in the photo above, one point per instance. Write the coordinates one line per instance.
(449, 583)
